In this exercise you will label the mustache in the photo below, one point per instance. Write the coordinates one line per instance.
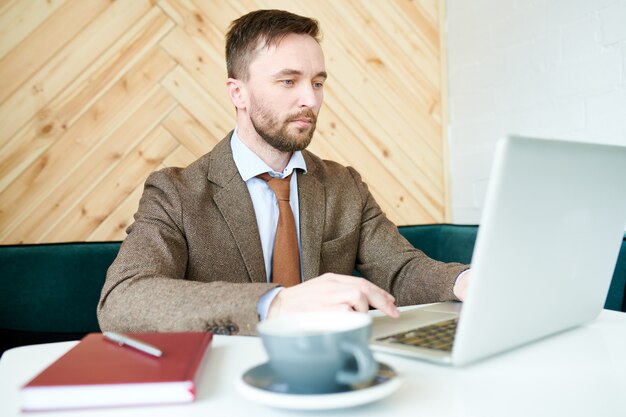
(308, 113)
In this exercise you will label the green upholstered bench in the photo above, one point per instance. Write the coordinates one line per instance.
(49, 292)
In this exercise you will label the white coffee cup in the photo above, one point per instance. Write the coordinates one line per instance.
(320, 352)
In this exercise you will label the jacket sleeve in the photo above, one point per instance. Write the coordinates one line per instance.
(387, 259)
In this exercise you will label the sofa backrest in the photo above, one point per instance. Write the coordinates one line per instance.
(443, 242)
(616, 299)
(49, 292)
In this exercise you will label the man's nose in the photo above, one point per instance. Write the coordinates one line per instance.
(309, 96)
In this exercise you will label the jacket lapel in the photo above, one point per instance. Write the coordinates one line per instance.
(312, 203)
(235, 205)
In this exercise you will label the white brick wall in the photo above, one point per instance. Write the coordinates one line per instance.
(547, 68)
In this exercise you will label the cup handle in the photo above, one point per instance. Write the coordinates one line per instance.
(367, 367)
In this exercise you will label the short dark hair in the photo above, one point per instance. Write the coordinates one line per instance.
(266, 26)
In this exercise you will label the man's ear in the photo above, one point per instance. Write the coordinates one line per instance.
(237, 93)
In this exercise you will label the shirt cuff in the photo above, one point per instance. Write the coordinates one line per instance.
(465, 271)
(264, 302)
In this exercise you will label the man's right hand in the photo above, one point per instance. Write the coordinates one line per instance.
(332, 292)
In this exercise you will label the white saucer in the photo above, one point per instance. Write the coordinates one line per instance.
(260, 384)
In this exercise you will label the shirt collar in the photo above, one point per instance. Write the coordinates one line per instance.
(250, 165)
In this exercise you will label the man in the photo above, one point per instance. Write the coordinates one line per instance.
(200, 254)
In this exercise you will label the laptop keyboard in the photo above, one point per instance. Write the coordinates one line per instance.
(438, 336)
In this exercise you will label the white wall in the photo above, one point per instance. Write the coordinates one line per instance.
(547, 68)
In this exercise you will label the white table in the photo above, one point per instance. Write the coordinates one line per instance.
(581, 372)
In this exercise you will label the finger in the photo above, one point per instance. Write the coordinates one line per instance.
(367, 286)
(358, 301)
(379, 298)
(384, 305)
(362, 294)
(350, 295)
(341, 308)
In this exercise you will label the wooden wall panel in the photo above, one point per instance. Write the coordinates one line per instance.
(96, 94)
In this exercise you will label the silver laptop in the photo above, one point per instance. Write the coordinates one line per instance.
(552, 225)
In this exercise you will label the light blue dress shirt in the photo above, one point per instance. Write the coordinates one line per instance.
(265, 204)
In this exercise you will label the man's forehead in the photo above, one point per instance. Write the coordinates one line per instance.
(288, 38)
(288, 59)
(292, 45)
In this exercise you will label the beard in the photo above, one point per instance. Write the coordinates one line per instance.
(278, 133)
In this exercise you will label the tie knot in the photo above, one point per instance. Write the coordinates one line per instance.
(280, 186)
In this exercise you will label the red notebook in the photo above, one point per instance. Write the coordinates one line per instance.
(100, 373)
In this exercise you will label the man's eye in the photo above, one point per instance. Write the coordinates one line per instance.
(287, 82)
(318, 85)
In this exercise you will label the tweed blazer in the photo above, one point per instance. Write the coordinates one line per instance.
(192, 260)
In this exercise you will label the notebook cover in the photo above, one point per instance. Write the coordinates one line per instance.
(99, 366)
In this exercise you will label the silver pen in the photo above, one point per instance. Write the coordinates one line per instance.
(123, 340)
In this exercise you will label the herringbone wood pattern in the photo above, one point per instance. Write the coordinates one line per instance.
(96, 94)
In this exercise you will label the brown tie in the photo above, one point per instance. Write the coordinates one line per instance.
(286, 259)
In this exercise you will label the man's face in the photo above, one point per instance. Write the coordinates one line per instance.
(285, 92)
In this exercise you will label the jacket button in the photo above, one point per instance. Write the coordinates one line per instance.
(221, 330)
